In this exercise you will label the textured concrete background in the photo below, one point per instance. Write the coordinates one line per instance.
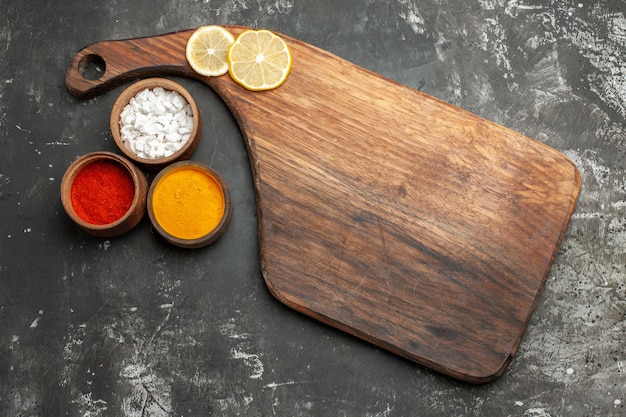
(133, 327)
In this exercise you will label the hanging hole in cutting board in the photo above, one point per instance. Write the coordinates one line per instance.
(92, 67)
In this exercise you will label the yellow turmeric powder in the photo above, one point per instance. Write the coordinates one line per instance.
(188, 203)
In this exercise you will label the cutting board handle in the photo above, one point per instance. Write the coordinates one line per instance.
(128, 59)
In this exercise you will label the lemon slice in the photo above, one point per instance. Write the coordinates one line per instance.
(206, 50)
(259, 60)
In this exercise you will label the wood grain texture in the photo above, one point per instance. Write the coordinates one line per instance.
(389, 214)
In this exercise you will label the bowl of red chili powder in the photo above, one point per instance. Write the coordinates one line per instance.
(104, 193)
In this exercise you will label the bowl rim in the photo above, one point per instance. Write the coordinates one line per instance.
(217, 231)
(131, 91)
(77, 166)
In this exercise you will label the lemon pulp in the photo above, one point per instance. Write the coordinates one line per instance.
(259, 60)
(207, 48)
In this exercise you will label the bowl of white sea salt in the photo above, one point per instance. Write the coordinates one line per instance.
(156, 122)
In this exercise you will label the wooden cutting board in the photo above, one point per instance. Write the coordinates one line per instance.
(384, 212)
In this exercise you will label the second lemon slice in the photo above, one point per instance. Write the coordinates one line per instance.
(259, 60)
(206, 50)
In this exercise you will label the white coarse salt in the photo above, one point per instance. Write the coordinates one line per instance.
(156, 123)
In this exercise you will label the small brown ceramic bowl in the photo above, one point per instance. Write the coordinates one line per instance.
(96, 199)
(123, 142)
(189, 204)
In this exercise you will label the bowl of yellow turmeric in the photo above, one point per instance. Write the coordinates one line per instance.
(189, 204)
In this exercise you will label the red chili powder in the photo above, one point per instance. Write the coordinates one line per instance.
(102, 192)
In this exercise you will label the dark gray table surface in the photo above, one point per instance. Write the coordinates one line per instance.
(131, 326)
